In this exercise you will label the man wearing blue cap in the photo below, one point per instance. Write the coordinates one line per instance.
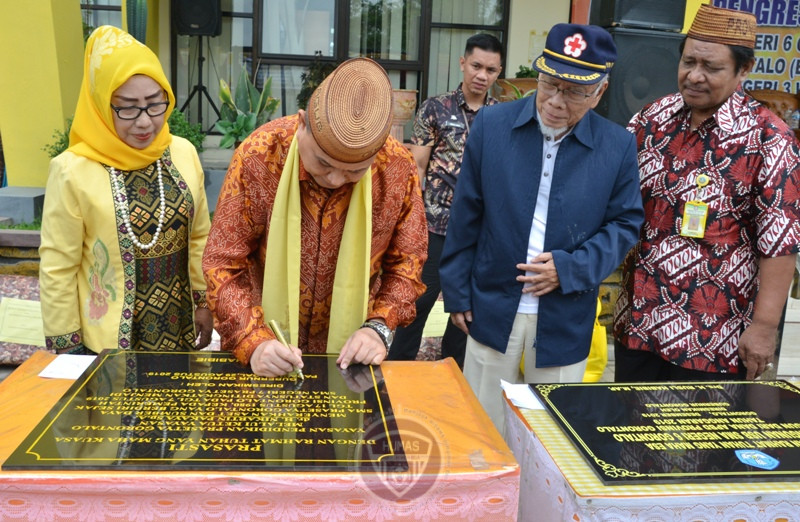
(546, 207)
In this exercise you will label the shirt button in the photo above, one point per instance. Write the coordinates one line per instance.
(547, 138)
(549, 156)
(546, 174)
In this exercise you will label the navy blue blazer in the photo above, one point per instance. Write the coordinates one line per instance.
(593, 219)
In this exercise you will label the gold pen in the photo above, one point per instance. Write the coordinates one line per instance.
(276, 330)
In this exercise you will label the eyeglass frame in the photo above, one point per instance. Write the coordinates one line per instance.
(566, 92)
(144, 109)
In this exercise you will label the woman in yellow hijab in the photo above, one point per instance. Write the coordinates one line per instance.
(125, 216)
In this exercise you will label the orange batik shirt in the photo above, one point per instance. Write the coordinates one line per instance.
(234, 257)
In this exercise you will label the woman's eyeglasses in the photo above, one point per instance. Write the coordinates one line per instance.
(570, 95)
(133, 112)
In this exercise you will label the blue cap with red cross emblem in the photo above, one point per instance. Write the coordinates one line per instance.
(577, 53)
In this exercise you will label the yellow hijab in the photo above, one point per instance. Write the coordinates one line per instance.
(112, 57)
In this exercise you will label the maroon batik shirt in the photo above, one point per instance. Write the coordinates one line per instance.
(443, 123)
(689, 299)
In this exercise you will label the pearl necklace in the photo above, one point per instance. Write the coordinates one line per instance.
(121, 201)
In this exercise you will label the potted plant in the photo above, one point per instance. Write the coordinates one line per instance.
(522, 85)
(180, 126)
(526, 72)
(404, 103)
(244, 111)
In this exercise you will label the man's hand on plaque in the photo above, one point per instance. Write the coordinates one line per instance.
(358, 377)
(273, 359)
(365, 346)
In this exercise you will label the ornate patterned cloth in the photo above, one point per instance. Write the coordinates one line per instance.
(690, 299)
(92, 280)
(280, 297)
(162, 316)
(443, 123)
(234, 258)
(88, 276)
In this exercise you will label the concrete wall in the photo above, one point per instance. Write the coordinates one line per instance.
(529, 24)
(41, 65)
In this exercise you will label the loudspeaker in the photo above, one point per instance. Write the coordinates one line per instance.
(651, 14)
(646, 69)
(197, 17)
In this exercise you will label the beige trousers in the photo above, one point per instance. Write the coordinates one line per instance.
(484, 367)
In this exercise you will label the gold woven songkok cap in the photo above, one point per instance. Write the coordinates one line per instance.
(350, 113)
(724, 26)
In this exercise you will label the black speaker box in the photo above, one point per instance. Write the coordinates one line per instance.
(666, 15)
(646, 69)
(197, 17)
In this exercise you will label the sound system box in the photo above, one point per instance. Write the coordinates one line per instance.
(197, 17)
(646, 69)
(666, 15)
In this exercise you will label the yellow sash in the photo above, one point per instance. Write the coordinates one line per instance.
(281, 296)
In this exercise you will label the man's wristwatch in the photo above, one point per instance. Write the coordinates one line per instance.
(386, 334)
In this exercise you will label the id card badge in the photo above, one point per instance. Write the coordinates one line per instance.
(453, 122)
(694, 219)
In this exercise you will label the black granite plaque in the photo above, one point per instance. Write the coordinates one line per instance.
(677, 432)
(203, 410)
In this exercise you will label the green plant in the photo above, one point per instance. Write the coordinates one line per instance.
(310, 79)
(522, 85)
(245, 111)
(61, 142)
(180, 126)
(136, 12)
(526, 72)
(518, 93)
(36, 225)
(87, 31)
